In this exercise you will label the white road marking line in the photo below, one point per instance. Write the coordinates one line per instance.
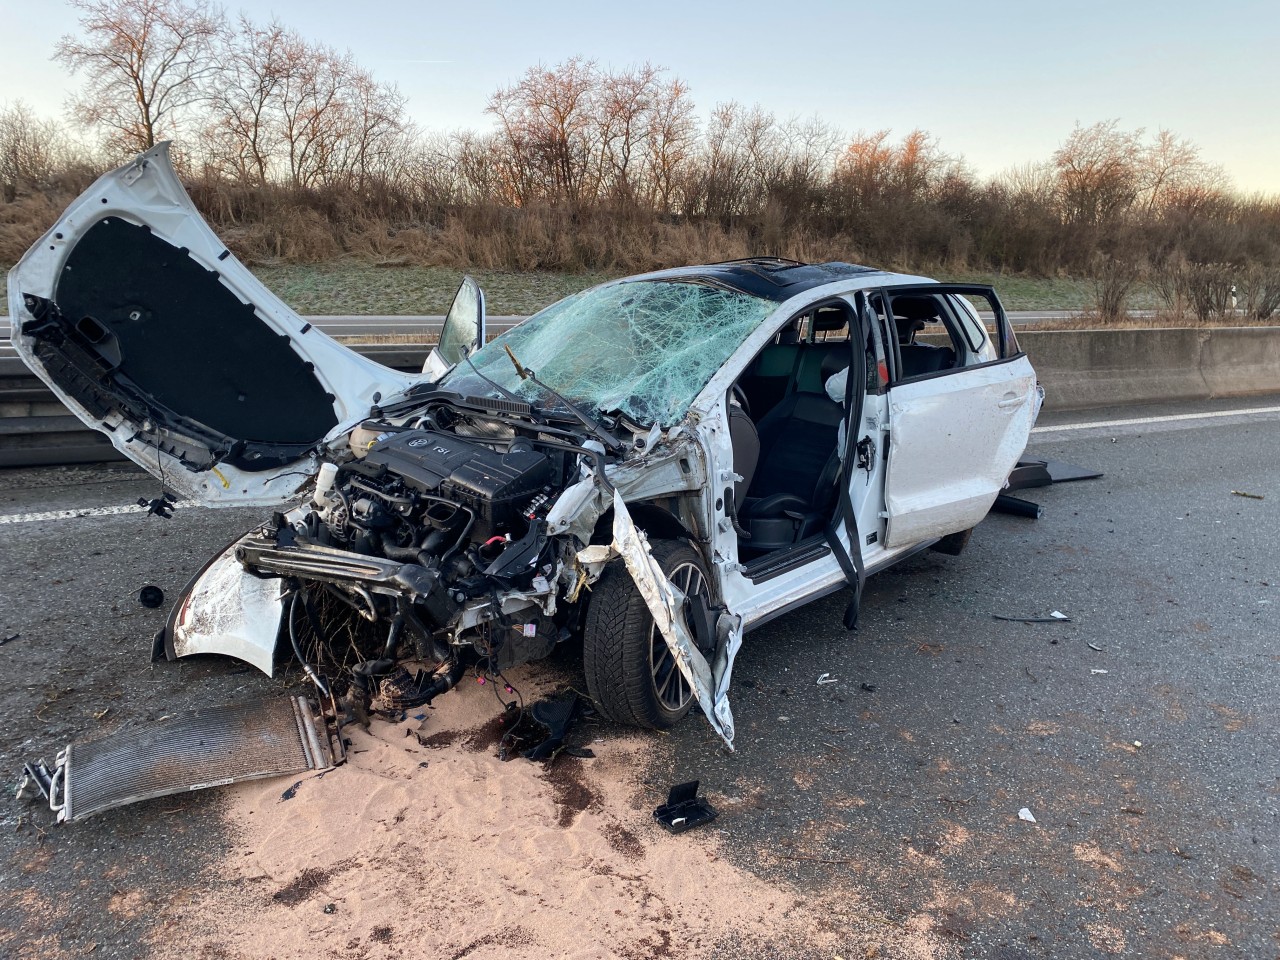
(1057, 428)
(83, 512)
(1095, 424)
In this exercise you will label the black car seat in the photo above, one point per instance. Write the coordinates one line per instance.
(745, 440)
(910, 315)
(794, 484)
(795, 481)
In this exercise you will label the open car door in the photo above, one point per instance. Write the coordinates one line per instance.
(955, 429)
(140, 320)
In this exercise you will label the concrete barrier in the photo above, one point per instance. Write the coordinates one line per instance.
(1098, 368)
(1078, 369)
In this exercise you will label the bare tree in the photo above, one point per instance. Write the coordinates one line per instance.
(672, 140)
(1099, 172)
(242, 130)
(548, 121)
(145, 64)
(32, 150)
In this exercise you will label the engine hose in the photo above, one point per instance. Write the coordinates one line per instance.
(445, 681)
(393, 636)
(314, 676)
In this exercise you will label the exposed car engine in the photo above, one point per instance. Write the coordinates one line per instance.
(440, 536)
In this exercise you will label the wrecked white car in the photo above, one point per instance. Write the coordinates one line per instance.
(656, 465)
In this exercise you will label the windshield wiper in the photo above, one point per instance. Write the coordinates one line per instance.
(466, 355)
(610, 443)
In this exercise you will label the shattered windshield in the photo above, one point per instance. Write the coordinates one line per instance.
(645, 348)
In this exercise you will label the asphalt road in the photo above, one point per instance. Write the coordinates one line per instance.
(904, 777)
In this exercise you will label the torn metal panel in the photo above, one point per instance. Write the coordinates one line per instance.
(193, 751)
(665, 603)
(230, 611)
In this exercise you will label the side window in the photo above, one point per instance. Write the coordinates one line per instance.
(966, 310)
(936, 333)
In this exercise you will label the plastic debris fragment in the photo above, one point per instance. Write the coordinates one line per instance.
(1056, 617)
(1025, 814)
(684, 809)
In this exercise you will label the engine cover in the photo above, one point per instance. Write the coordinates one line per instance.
(495, 485)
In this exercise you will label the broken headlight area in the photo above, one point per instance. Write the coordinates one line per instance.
(427, 546)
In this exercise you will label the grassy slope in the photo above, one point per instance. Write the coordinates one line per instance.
(353, 287)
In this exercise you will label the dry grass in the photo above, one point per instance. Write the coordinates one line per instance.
(1156, 321)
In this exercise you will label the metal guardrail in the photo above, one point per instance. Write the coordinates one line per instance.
(37, 430)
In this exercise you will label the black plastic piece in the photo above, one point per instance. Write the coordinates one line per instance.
(558, 716)
(1017, 507)
(151, 596)
(684, 809)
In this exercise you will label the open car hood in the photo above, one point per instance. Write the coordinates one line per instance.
(140, 320)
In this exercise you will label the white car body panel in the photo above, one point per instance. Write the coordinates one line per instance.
(231, 612)
(952, 441)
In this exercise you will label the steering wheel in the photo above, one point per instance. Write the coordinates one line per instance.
(740, 395)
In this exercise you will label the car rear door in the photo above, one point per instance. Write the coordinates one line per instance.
(954, 432)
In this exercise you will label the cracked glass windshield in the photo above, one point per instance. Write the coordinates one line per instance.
(645, 348)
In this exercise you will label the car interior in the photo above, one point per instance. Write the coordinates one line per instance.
(784, 426)
(784, 429)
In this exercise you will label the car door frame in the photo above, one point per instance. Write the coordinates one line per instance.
(824, 570)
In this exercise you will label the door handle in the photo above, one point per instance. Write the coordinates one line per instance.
(1012, 400)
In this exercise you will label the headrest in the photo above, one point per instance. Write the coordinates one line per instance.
(830, 318)
(907, 328)
(915, 308)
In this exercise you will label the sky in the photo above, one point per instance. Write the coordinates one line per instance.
(999, 83)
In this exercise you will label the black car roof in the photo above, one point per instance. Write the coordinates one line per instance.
(771, 278)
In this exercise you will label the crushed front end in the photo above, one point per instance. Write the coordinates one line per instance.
(427, 549)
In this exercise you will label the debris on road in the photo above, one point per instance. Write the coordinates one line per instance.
(1249, 496)
(9, 639)
(825, 679)
(1097, 670)
(1093, 646)
(557, 716)
(684, 809)
(1025, 814)
(151, 596)
(161, 506)
(1057, 616)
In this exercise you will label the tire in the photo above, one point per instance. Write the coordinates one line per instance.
(630, 671)
(953, 544)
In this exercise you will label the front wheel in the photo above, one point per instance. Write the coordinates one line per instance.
(631, 672)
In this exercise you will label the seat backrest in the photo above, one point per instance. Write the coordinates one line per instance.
(921, 358)
(797, 441)
(745, 441)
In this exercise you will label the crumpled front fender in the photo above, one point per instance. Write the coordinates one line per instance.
(710, 682)
(228, 610)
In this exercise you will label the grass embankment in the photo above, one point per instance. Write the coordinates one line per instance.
(355, 287)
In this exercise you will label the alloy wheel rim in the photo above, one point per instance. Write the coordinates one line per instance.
(669, 685)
